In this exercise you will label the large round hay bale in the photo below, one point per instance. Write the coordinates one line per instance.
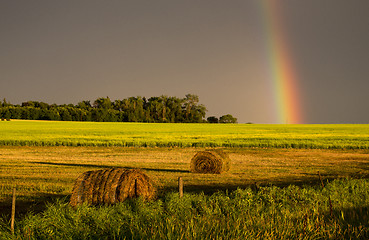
(210, 161)
(111, 186)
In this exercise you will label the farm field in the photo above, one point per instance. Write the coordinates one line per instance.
(262, 182)
(260, 175)
(42, 173)
(49, 133)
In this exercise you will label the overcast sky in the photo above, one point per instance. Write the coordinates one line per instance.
(72, 50)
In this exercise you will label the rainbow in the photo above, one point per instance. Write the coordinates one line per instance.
(282, 74)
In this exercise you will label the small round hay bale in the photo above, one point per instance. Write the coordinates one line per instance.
(111, 186)
(210, 161)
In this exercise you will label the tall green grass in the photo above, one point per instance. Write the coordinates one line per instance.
(267, 213)
(48, 133)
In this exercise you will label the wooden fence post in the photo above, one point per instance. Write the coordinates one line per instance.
(180, 187)
(13, 212)
(136, 190)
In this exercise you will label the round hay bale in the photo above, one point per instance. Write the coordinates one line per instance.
(111, 186)
(210, 161)
(79, 189)
(133, 183)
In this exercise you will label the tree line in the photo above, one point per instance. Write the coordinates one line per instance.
(161, 109)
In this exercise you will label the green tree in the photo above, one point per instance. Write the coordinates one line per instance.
(157, 109)
(193, 112)
(174, 105)
(104, 103)
(7, 114)
(84, 105)
(44, 114)
(213, 119)
(65, 114)
(41, 105)
(34, 113)
(54, 114)
(133, 109)
(15, 112)
(227, 119)
(28, 104)
(5, 103)
(189, 103)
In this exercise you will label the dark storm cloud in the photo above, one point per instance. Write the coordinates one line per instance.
(69, 51)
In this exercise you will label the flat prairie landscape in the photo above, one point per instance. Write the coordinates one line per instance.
(42, 159)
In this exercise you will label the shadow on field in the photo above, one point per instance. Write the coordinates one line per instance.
(210, 189)
(109, 166)
(363, 166)
(308, 180)
(354, 216)
(34, 205)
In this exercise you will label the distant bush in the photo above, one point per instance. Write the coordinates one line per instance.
(227, 119)
(212, 119)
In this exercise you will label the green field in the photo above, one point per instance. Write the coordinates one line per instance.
(49, 133)
(272, 191)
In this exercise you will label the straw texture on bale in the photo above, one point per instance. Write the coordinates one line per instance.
(210, 161)
(111, 186)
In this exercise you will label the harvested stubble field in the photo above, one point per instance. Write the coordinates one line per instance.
(44, 173)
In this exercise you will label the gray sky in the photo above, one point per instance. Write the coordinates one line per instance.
(73, 50)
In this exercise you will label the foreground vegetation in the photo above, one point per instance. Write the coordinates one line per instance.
(338, 211)
(49, 133)
(272, 191)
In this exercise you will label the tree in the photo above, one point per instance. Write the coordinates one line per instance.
(34, 113)
(227, 119)
(84, 105)
(28, 104)
(64, 114)
(7, 115)
(174, 105)
(152, 110)
(157, 109)
(133, 109)
(213, 119)
(5, 103)
(15, 112)
(103, 103)
(193, 112)
(41, 105)
(189, 102)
